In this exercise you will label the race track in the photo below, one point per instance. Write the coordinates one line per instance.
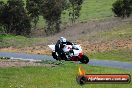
(106, 63)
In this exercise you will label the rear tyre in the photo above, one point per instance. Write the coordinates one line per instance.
(63, 57)
(54, 55)
(84, 59)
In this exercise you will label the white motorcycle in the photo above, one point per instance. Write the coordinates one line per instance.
(71, 52)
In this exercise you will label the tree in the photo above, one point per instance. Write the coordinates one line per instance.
(33, 8)
(51, 11)
(15, 19)
(2, 6)
(2, 25)
(122, 8)
(75, 7)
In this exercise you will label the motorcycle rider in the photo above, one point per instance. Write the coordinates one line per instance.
(60, 45)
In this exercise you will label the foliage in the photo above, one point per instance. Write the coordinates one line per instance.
(75, 7)
(51, 11)
(32, 7)
(122, 8)
(91, 9)
(2, 7)
(14, 18)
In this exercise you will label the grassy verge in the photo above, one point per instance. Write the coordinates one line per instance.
(19, 41)
(63, 76)
(118, 55)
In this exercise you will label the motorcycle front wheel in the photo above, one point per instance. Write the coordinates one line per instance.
(84, 59)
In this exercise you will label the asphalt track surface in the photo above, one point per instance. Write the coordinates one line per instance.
(94, 62)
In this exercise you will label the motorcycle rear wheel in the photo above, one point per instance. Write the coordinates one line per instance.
(84, 59)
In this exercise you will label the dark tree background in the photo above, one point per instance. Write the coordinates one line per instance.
(75, 7)
(18, 18)
(14, 18)
(2, 25)
(33, 8)
(122, 8)
(51, 11)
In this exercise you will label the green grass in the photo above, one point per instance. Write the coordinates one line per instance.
(94, 10)
(19, 41)
(116, 33)
(122, 32)
(118, 55)
(63, 76)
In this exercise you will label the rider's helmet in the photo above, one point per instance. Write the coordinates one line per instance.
(62, 39)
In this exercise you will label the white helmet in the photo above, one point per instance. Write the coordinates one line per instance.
(62, 39)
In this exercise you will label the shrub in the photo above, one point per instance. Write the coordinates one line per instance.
(122, 8)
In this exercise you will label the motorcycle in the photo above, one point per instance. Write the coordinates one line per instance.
(71, 53)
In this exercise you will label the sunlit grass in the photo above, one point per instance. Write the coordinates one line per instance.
(19, 41)
(63, 76)
(117, 55)
(94, 10)
(116, 33)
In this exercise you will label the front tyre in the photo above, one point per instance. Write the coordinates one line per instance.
(84, 59)
(54, 55)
